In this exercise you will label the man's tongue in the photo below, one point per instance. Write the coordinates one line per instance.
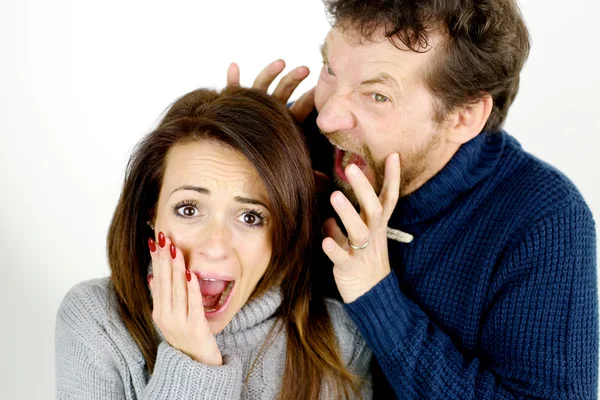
(211, 292)
(345, 158)
(357, 160)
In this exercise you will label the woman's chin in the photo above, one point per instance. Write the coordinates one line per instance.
(218, 322)
(217, 326)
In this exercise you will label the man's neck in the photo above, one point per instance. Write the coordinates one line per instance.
(438, 159)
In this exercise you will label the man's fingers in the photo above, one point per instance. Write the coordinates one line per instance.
(268, 75)
(336, 254)
(358, 232)
(370, 205)
(391, 186)
(332, 230)
(233, 75)
(303, 106)
(289, 83)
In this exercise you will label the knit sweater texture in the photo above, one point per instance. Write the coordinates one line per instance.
(96, 357)
(496, 296)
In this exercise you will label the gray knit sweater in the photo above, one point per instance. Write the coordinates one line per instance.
(96, 357)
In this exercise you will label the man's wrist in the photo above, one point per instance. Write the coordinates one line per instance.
(385, 309)
(354, 288)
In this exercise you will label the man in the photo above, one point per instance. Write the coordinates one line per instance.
(470, 270)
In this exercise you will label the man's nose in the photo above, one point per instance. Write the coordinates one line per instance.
(336, 114)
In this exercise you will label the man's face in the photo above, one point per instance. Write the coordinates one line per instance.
(372, 101)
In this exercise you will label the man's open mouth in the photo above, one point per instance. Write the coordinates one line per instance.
(215, 294)
(345, 157)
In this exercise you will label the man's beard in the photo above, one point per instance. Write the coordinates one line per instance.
(412, 166)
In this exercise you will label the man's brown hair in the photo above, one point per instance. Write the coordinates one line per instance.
(486, 44)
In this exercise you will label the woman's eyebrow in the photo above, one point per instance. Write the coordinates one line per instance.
(239, 199)
(247, 200)
(198, 189)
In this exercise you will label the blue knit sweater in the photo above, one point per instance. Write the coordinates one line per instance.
(496, 296)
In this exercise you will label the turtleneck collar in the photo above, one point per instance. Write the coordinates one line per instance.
(254, 312)
(251, 324)
(473, 161)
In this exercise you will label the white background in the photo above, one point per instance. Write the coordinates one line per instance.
(82, 81)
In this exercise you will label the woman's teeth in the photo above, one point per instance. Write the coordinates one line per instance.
(222, 297)
(225, 293)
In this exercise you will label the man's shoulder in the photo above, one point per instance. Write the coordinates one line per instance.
(533, 185)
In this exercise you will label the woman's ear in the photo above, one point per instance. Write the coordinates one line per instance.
(468, 121)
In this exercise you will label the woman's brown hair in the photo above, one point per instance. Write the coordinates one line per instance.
(261, 130)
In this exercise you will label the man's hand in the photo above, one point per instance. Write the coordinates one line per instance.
(177, 308)
(358, 269)
(301, 107)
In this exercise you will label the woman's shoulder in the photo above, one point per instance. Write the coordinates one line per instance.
(339, 317)
(87, 305)
(351, 342)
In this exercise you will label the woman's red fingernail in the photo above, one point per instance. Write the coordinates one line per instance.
(188, 275)
(161, 240)
(150, 276)
(173, 251)
(152, 245)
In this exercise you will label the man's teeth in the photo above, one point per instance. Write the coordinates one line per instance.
(346, 159)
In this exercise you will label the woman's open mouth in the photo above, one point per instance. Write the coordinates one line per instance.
(216, 294)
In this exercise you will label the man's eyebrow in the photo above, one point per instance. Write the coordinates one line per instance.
(198, 189)
(383, 78)
(247, 200)
(323, 49)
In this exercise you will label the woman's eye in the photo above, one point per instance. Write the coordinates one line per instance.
(329, 70)
(187, 211)
(250, 218)
(379, 98)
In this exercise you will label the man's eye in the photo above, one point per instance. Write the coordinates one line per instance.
(187, 211)
(379, 98)
(328, 69)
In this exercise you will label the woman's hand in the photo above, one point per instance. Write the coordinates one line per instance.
(357, 270)
(178, 309)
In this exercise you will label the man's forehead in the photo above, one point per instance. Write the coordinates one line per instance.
(388, 57)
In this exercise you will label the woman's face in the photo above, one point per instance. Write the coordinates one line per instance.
(214, 207)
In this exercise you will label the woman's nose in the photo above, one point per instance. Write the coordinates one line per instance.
(216, 242)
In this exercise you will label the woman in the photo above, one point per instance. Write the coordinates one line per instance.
(210, 291)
